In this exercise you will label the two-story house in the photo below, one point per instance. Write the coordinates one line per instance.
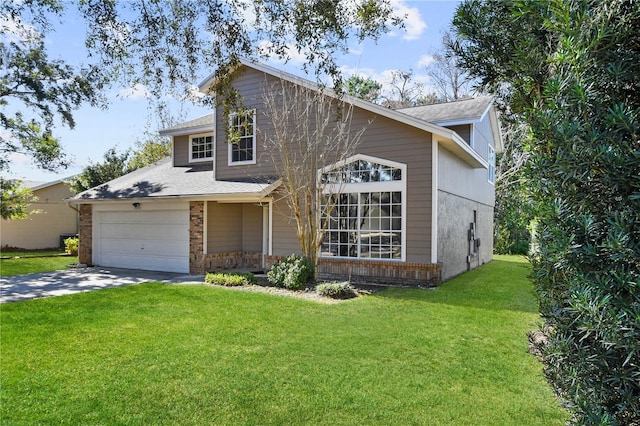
(213, 205)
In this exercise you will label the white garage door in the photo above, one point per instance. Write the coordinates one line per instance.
(155, 240)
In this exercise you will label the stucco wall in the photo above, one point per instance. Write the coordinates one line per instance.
(42, 230)
(455, 214)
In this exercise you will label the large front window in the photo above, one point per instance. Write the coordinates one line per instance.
(242, 146)
(363, 210)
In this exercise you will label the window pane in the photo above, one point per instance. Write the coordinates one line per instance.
(201, 147)
(365, 224)
(242, 128)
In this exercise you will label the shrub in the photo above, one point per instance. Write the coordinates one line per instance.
(230, 280)
(71, 245)
(341, 290)
(292, 273)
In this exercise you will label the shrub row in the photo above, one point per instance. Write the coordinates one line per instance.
(230, 280)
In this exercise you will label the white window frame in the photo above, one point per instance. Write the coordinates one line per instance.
(201, 135)
(359, 188)
(491, 157)
(230, 161)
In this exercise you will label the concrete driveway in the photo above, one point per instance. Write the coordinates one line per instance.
(58, 283)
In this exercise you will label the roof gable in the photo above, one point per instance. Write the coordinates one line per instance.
(447, 137)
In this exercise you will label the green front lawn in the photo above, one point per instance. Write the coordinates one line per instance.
(27, 265)
(195, 354)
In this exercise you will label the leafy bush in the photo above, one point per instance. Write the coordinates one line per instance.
(341, 290)
(71, 245)
(292, 273)
(230, 280)
(575, 84)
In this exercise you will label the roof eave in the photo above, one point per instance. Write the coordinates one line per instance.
(244, 197)
(186, 130)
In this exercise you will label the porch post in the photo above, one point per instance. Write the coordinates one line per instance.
(196, 237)
(85, 235)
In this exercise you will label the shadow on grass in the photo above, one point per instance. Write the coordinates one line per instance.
(501, 284)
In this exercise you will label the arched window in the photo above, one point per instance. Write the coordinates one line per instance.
(363, 209)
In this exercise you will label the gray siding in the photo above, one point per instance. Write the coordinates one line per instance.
(456, 177)
(181, 150)
(233, 227)
(252, 227)
(224, 227)
(483, 137)
(464, 130)
(384, 139)
(285, 241)
(250, 84)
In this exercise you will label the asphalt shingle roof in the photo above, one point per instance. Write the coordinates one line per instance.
(466, 110)
(203, 121)
(162, 180)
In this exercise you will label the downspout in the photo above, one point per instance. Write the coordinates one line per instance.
(434, 200)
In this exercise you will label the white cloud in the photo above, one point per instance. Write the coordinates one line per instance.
(414, 24)
(425, 61)
(296, 57)
(16, 31)
(138, 91)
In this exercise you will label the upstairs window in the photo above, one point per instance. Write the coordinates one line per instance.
(492, 164)
(201, 147)
(242, 138)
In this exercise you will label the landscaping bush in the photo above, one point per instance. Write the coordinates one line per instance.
(292, 273)
(71, 245)
(341, 290)
(230, 280)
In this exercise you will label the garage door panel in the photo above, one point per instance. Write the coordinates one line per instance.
(139, 247)
(168, 264)
(152, 240)
(144, 231)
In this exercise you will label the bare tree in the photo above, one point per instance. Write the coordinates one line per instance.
(310, 131)
(405, 91)
(451, 82)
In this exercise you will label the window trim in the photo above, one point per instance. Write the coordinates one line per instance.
(213, 144)
(230, 161)
(364, 187)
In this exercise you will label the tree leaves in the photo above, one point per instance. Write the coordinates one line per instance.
(569, 71)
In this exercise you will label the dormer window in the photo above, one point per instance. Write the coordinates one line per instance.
(242, 135)
(201, 147)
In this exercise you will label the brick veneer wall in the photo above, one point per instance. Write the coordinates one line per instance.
(380, 272)
(250, 261)
(357, 271)
(196, 237)
(85, 234)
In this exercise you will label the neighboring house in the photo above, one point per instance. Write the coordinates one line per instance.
(215, 205)
(43, 229)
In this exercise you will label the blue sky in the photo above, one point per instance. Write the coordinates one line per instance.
(128, 115)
